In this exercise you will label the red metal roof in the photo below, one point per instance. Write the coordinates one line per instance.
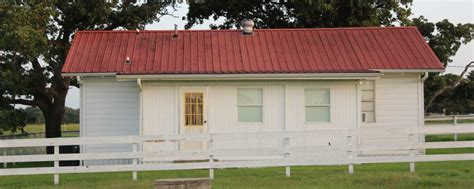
(329, 50)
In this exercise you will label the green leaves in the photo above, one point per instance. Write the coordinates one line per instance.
(35, 37)
(303, 13)
(444, 37)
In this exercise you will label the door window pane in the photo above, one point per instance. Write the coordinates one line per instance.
(193, 109)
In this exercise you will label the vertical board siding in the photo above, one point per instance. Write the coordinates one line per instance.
(160, 111)
(110, 108)
(396, 110)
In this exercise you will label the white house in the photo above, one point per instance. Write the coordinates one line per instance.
(267, 80)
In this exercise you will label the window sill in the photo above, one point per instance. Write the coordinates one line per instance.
(249, 123)
(317, 123)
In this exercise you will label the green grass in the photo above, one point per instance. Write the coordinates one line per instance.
(37, 128)
(428, 175)
(449, 137)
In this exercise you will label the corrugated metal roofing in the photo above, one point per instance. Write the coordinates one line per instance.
(331, 50)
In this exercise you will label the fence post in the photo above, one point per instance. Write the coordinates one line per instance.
(350, 152)
(56, 165)
(4, 154)
(412, 150)
(211, 157)
(286, 143)
(455, 123)
(134, 162)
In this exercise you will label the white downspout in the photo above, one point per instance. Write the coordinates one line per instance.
(425, 76)
(139, 83)
(140, 114)
(79, 80)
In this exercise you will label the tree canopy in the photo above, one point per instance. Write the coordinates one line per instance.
(35, 37)
(302, 14)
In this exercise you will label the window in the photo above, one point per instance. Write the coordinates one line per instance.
(317, 105)
(250, 105)
(368, 101)
(194, 109)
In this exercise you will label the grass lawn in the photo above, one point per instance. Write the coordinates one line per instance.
(428, 175)
(36, 128)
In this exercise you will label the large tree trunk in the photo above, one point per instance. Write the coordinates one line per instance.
(53, 116)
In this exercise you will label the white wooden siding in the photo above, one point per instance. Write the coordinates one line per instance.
(161, 111)
(397, 110)
(110, 108)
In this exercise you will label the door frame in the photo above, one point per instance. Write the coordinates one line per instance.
(181, 101)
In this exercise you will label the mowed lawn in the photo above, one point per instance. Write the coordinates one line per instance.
(428, 175)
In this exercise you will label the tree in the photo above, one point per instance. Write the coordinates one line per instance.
(35, 37)
(304, 13)
(71, 115)
(454, 100)
(445, 39)
(12, 119)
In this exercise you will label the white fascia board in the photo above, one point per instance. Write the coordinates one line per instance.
(227, 77)
(88, 74)
(408, 70)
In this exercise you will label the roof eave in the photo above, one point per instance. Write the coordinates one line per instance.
(408, 70)
(89, 74)
(228, 77)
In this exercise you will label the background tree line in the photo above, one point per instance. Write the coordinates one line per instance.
(15, 120)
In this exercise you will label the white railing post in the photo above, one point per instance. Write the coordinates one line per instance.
(455, 123)
(134, 162)
(56, 165)
(350, 152)
(211, 157)
(286, 144)
(411, 137)
(4, 154)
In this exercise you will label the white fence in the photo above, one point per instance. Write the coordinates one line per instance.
(450, 120)
(212, 158)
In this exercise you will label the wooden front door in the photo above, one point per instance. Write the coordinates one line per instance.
(193, 115)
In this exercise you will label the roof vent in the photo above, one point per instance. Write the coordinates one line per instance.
(127, 60)
(247, 26)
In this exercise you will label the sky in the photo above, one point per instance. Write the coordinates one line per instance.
(456, 11)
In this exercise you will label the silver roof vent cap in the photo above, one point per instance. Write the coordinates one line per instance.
(247, 26)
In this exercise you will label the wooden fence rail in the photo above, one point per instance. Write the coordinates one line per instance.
(215, 158)
(451, 119)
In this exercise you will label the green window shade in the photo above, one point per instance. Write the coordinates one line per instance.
(250, 114)
(317, 105)
(316, 96)
(250, 105)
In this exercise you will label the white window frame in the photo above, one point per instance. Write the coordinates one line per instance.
(250, 105)
(317, 105)
(362, 102)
